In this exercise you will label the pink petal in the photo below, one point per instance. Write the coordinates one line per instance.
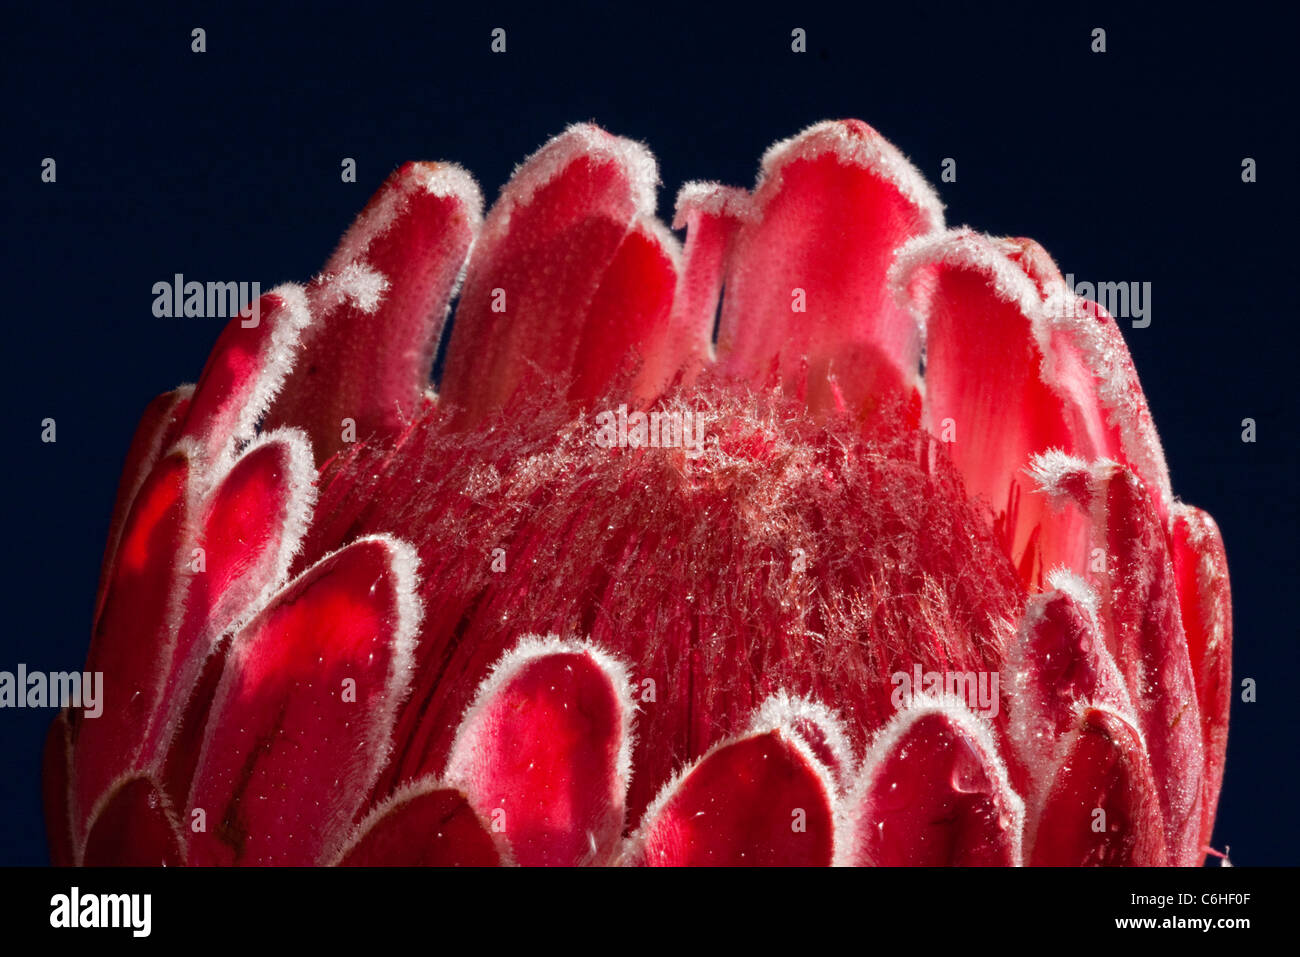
(131, 644)
(156, 432)
(245, 370)
(56, 784)
(819, 728)
(1103, 767)
(758, 800)
(1035, 262)
(1058, 661)
(546, 245)
(1143, 621)
(628, 317)
(545, 752)
(379, 307)
(933, 792)
(712, 215)
(424, 825)
(187, 734)
(134, 826)
(1044, 338)
(1090, 362)
(249, 529)
(986, 394)
(283, 726)
(1205, 597)
(1141, 618)
(1059, 501)
(831, 207)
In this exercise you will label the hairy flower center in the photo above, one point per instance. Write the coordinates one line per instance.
(786, 554)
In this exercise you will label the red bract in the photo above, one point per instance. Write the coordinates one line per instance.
(619, 594)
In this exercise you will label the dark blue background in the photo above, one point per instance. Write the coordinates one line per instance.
(225, 165)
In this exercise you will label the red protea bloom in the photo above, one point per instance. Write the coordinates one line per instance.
(622, 594)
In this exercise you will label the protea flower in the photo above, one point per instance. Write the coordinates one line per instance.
(625, 591)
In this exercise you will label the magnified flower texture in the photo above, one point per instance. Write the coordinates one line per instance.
(828, 536)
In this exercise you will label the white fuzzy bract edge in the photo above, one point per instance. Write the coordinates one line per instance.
(299, 505)
(102, 802)
(785, 711)
(962, 718)
(579, 140)
(357, 284)
(779, 718)
(1053, 469)
(1085, 323)
(698, 198)
(963, 248)
(407, 792)
(445, 180)
(529, 649)
(871, 152)
(275, 363)
(1066, 582)
(404, 565)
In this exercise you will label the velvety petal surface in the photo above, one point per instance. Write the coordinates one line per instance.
(627, 323)
(305, 707)
(807, 294)
(986, 396)
(245, 371)
(544, 753)
(933, 792)
(537, 271)
(134, 826)
(249, 528)
(132, 641)
(1101, 808)
(1141, 613)
(154, 435)
(1059, 660)
(425, 825)
(712, 215)
(1205, 596)
(379, 307)
(758, 800)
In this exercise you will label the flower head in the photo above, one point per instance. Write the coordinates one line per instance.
(887, 570)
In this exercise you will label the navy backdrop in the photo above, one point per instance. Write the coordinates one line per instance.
(1125, 165)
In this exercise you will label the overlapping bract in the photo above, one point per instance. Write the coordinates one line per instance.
(477, 637)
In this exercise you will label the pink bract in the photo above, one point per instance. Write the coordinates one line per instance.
(890, 573)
